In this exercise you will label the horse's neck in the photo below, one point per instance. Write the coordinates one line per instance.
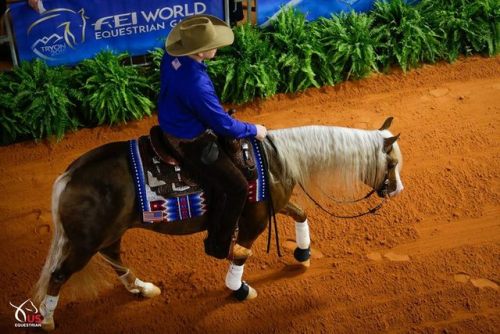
(350, 153)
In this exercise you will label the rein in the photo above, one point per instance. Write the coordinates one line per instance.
(370, 193)
(369, 211)
(270, 207)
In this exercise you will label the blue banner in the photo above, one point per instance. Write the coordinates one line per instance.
(269, 9)
(69, 31)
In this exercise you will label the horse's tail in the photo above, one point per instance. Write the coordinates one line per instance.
(58, 249)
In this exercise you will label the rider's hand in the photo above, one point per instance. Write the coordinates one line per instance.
(261, 132)
(37, 5)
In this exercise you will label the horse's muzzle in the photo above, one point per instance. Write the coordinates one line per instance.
(399, 188)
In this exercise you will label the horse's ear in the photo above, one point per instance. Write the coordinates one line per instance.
(389, 141)
(387, 124)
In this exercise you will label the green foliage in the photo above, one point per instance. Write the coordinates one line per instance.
(464, 26)
(153, 72)
(403, 35)
(349, 44)
(10, 122)
(39, 101)
(246, 70)
(112, 93)
(301, 61)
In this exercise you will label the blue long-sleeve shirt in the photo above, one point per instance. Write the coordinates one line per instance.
(188, 104)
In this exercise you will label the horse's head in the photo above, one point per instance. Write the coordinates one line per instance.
(391, 185)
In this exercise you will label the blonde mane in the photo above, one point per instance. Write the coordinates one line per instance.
(351, 156)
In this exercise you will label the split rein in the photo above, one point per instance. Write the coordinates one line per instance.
(367, 212)
(272, 213)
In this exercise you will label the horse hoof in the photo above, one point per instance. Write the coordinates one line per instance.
(306, 263)
(48, 325)
(245, 292)
(303, 256)
(149, 290)
(252, 293)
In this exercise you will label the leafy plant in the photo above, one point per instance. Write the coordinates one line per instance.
(152, 72)
(349, 44)
(464, 26)
(403, 36)
(41, 102)
(10, 122)
(246, 70)
(301, 61)
(112, 93)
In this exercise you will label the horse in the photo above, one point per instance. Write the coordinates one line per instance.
(92, 207)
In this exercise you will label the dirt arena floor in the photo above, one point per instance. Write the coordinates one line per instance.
(428, 263)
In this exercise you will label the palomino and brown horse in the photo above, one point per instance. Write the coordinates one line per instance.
(95, 201)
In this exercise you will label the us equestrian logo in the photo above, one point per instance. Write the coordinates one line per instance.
(27, 315)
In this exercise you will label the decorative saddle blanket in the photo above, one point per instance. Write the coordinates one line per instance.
(166, 193)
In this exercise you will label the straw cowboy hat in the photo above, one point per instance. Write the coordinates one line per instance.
(197, 34)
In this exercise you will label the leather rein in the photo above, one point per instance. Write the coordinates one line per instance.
(372, 210)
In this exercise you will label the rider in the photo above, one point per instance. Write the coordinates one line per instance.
(190, 112)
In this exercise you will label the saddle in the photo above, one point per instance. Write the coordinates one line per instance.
(166, 192)
(165, 174)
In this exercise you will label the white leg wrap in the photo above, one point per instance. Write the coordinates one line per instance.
(129, 285)
(233, 277)
(137, 286)
(48, 305)
(302, 235)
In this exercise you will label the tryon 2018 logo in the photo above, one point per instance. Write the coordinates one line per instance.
(69, 32)
(27, 315)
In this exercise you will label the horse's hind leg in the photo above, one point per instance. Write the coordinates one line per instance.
(303, 251)
(74, 261)
(112, 255)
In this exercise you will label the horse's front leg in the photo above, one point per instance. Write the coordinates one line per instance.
(133, 284)
(303, 251)
(241, 289)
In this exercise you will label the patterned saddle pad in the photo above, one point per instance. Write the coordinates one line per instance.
(166, 192)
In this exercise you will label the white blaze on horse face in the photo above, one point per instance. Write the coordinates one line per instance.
(399, 185)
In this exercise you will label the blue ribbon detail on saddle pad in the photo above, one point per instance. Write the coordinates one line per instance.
(257, 190)
(156, 208)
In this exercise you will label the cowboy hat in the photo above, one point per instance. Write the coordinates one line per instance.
(197, 34)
